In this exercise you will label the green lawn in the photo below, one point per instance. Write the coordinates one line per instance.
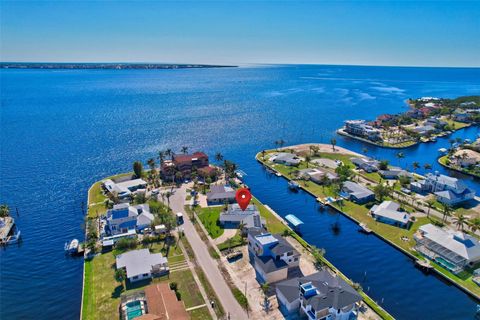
(273, 224)
(457, 125)
(210, 220)
(390, 233)
(102, 292)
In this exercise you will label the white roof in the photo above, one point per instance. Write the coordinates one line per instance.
(160, 227)
(122, 187)
(179, 214)
(389, 209)
(138, 262)
(458, 242)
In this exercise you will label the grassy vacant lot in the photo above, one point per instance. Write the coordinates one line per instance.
(455, 124)
(210, 220)
(102, 292)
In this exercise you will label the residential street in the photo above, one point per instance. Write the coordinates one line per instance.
(206, 262)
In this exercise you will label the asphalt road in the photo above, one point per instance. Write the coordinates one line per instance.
(206, 262)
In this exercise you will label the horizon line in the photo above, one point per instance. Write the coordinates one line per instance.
(242, 64)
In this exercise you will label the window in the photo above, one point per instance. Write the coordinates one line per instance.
(135, 278)
(145, 274)
(295, 259)
(290, 253)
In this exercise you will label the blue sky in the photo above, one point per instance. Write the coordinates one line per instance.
(368, 33)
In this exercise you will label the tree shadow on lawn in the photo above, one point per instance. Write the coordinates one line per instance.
(117, 292)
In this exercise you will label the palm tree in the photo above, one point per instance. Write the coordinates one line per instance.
(416, 165)
(264, 288)
(475, 225)
(4, 211)
(120, 276)
(333, 142)
(161, 156)
(169, 153)
(184, 149)
(218, 157)
(400, 156)
(446, 211)
(430, 203)
(460, 221)
(263, 154)
(308, 159)
(168, 194)
(151, 163)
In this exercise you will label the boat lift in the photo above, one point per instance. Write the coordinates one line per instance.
(294, 221)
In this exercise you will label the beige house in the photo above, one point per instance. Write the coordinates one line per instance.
(467, 157)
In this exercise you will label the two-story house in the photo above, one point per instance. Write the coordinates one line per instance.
(271, 255)
(124, 217)
(319, 296)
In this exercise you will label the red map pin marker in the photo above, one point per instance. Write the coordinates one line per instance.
(243, 197)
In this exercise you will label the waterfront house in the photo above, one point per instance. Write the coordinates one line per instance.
(394, 173)
(424, 130)
(125, 188)
(452, 249)
(234, 216)
(185, 164)
(389, 212)
(271, 255)
(462, 117)
(360, 128)
(317, 175)
(155, 302)
(435, 122)
(220, 194)
(141, 264)
(357, 193)
(321, 295)
(285, 158)
(366, 164)
(466, 157)
(448, 190)
(124, 217)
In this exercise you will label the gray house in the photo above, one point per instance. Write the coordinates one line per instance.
(234, 216)
(366, 164)
(357, 193)
(321, 295)
(288, 159)
(219, 194)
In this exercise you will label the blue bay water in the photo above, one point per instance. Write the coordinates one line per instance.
(61, 130)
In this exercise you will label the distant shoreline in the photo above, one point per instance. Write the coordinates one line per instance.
(110, 66)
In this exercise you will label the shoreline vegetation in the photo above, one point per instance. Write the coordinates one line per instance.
(427, 119)
(359, 213)
(115, 66)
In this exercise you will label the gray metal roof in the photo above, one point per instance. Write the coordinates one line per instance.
(356, 190)
(138, 262)
(220, 192)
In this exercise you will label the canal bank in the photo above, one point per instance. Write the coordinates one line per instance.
(400, 274)
(412, 255)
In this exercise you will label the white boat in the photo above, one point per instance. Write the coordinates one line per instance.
(293, 185)
(278, 174)
(72, 246)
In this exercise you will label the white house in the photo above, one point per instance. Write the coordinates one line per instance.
(389, 212)
(319, 296)
(288, 159)
(452, 249)
(141, 264)
(447, 189)
(124, 217)
(125, 188)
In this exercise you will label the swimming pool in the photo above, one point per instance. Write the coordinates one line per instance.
(446, 264)
(134, 309)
